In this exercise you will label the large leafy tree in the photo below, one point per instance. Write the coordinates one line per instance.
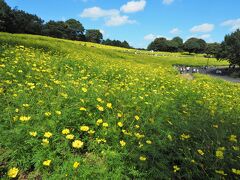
(94, 35)
(212, 49)
(230, 48)
(162, 44)
(179, 42)
(56, 29)
(26, 23)
(116, 43)
(75, 30)
(6, 17)
(195, 45)
(159, 44)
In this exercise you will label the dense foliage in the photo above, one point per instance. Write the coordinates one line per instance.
(195, 45)
(230, 48)
(72, 111)
(94, 35)
(162, 44)
(117, 43)
(212, 49)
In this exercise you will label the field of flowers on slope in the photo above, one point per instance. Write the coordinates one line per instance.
(70, 110)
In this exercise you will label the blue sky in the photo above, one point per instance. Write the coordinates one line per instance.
(140, 21)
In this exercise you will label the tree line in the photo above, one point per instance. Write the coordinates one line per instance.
(18, 21)
(229, 49)
(192, 45)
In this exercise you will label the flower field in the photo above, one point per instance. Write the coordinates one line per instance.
(73, 110)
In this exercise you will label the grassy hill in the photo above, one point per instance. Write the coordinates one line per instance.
(73, 110)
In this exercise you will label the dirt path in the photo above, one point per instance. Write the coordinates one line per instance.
(226, 78)
(211, 71)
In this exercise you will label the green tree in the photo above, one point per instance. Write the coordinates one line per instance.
(6, 17)
(195, 45)
(116, 43)
(26, 23)
(212, 49)
(94, 35)
(230, 48)
(202, 45)
(75, 30)
(172, 46)
(179, 42)
(125, 44)
(56, 29)
(159, 44)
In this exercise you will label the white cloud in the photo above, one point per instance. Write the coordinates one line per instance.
(175, 31)
(203, 28)
(112, 17)
(102, 31)
(233, 23)
(150, 37)
(167, 2)
(119, 20)
(97, 12)
(204, 36)
(133, 6)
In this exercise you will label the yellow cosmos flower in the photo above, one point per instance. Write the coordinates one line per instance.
(47, 162)
(84, 89)
(176, 168)
(13, 172)
(34, 134)
(233, 138)
(236, 171)
(105, 125)
(170, 137)
(119, 115)
(120, 124)
(24, 118)
(219, 154)
(185, 136)
(137, 126)
(109, 105)
(83, 109)
(65, 131)
(142, 158)
(47, 114)
(45, 142)
(84, 128)
(58, 112)
(149, 142)
(99, 121)
(77, 144)
(139, 136)
(70, 136)
(137, 117)
(100, 108)
(76, 164)
(91, 132)
(122, 143)
(100, 100)
(200, 152)
(25, 105)
(221, 172)
(47, 134)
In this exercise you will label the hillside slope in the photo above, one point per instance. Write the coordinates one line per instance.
(120, 115)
